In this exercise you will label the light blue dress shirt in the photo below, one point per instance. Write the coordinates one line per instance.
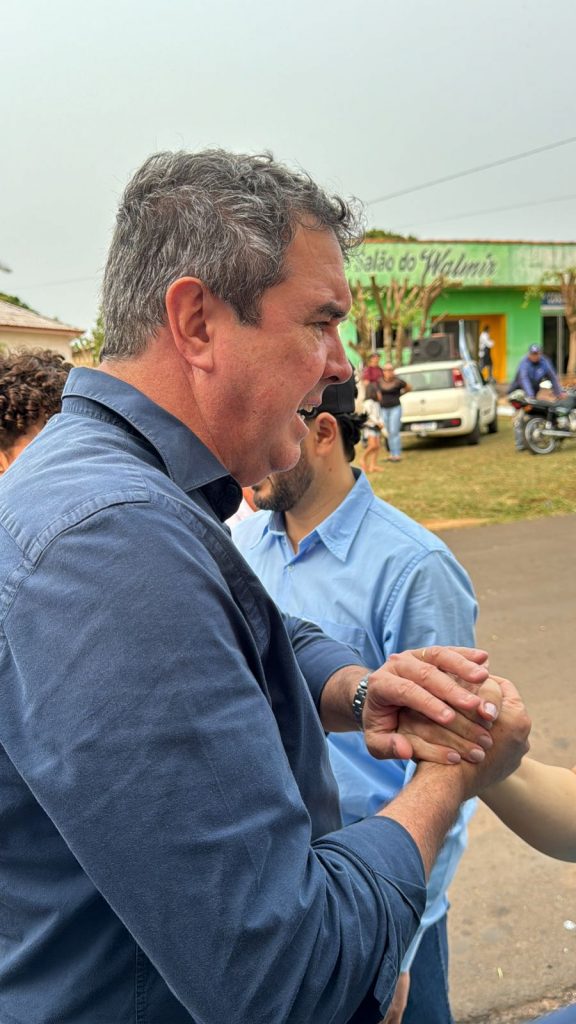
(375, 579)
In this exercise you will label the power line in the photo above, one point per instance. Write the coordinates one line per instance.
(472, 170)
(494, 209)
(407, 191)
(52, 284)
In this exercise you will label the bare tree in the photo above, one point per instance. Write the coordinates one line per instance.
(402, 306)
(363, 321)
(393, 302)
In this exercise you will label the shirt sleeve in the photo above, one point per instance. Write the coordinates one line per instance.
(434, 603)
(525, 380)
(148, 740)
(318, 656)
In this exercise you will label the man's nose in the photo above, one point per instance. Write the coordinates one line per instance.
(338, 368)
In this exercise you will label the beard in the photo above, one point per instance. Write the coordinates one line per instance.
(280, 492)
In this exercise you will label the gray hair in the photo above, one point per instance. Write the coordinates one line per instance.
(222, 217)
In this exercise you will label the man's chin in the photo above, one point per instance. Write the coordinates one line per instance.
(280, 459)
(285, 459)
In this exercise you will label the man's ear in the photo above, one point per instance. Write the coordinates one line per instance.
(5, 461)
(326, 432)
(188, 307)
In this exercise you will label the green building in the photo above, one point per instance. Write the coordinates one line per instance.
(493, 278)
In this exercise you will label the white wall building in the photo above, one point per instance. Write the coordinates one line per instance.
(21, 328)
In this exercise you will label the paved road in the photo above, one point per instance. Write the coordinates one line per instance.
(511, 956)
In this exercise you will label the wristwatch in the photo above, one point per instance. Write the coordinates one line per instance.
(360, 699)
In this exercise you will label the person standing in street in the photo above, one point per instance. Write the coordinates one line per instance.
(485, 346)
(372, 372)
(372, 429)
(392, 388)
(326, 548)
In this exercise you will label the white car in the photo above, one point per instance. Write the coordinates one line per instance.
(448, 399)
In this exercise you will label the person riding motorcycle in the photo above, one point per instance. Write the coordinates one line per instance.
(534, 368)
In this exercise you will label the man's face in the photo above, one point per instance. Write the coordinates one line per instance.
(534, 357)
(281, 492)
(266, 373)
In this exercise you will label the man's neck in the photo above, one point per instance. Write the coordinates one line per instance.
(321, 499)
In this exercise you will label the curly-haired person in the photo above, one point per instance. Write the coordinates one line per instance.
(31, 384)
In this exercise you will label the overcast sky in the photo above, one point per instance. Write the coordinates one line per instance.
(371, 98)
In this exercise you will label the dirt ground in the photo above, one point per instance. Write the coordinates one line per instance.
(513, 952)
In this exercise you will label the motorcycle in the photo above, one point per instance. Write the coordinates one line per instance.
(547, 423)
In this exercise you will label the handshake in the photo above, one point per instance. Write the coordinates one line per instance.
(440, 704)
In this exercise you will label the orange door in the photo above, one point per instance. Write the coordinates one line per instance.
(497, 327)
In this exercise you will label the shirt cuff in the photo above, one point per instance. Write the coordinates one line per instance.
(388, 849)
(384, 848)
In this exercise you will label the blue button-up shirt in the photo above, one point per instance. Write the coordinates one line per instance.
(170, 847)
(529, 376)
(373, 578)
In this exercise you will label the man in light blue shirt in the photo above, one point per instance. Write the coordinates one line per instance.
(329, 550)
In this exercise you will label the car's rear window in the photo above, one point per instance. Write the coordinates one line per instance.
(428, 380)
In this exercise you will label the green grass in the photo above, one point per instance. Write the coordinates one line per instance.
(448, 480)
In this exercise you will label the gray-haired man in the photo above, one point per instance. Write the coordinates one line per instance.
(170, 840)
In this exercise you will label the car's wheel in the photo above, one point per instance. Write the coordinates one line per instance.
(538, 443)
(493, 425)
(474, 436)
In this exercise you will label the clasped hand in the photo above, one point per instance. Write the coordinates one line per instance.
(440, 705)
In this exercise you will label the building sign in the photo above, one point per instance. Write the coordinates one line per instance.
(475, 264)
(552, 301)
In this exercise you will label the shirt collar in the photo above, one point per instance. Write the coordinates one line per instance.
(187, 461)
(338, 531)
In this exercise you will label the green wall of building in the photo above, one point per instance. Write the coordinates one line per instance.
(494, 275)
(523, 322)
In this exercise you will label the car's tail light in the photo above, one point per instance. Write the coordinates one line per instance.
(457, 378)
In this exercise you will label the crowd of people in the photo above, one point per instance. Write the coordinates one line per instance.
(175, 839)
(383, 389)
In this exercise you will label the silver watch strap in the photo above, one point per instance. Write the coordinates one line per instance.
(360, 699)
